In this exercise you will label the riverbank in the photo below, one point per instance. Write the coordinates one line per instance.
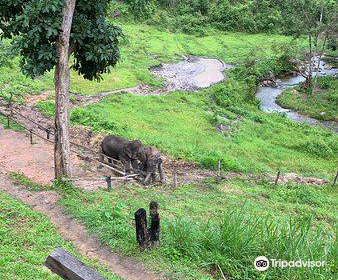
(321, 105)
(289, 98)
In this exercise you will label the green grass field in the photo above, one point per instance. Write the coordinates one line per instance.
(322, 104)
(180, 125)
(210, 224)
(26, 239)
(226, 224)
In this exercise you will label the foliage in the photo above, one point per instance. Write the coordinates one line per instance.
(21, 179)
(35, 24)
(198, 230)
(309, 17)
(317, 20)
(26, 239)
(196, 16)
(6, 54)
(322, 104)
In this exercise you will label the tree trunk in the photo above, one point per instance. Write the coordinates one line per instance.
(310, 66)
(61, 81)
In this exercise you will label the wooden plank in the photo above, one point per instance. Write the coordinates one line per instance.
(70, 268)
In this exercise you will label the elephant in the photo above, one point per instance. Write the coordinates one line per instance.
(152, 164)
(128, 152)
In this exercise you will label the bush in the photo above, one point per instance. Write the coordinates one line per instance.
(193, 15)
(326, 82)
(228, 163)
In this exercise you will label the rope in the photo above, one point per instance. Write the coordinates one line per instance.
(77, 153)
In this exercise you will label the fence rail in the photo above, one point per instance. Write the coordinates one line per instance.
(51, 131)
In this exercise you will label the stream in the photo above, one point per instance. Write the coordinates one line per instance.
(267, 96)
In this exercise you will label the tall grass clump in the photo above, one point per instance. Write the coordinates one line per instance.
(234, 243)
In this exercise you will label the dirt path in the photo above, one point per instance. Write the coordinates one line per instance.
(89, 246)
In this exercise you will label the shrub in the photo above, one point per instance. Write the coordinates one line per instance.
(235, 242)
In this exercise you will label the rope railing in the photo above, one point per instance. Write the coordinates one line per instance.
(108, 179)
(49, 131)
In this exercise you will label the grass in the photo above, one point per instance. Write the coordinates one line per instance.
(219, 224)
(21, 179)
(182, 125)
(26, 239)
(322, 104)
(14, 126)
(145, 46)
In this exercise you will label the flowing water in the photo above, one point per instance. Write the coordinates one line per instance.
(267, 97)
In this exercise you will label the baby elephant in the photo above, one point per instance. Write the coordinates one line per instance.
(152, 163)
(128, 152)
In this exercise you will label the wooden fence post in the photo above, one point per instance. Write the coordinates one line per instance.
(219, 167)
(31, 135)
(335, 180)
(154, 230)
(175, 180)
(8, 122)
(108, 180)
(277, 178)
(141, 228)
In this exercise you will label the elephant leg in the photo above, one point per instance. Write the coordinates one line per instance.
(135, 166)
(146, 180)
(153, 177)
(127, 167)
(160, 171)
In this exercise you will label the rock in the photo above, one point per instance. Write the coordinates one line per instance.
(223, 127)
(322, 113)
(328, 67)
(302, 180)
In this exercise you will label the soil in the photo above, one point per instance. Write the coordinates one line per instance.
(78, 99)
(191, 74)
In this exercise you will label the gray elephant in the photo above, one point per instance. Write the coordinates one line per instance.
(152, 164)
(128, 152)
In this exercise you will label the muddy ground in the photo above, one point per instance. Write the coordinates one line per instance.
(193, 73)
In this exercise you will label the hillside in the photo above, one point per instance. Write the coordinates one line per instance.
(213, 223)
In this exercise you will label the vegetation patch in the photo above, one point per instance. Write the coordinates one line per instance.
(321, 105)
(219, 224)
(26, 239)
(183, 125)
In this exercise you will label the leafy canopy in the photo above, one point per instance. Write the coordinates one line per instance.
(34, 25)
(309, 17)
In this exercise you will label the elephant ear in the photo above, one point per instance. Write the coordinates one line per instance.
(136, 143)
(128, 152)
